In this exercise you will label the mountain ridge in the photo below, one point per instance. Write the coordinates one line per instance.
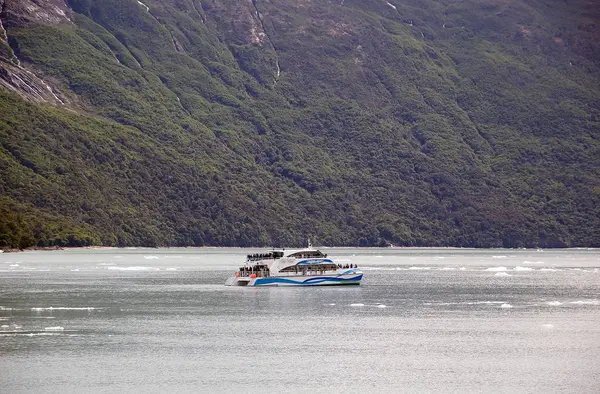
(470, 123)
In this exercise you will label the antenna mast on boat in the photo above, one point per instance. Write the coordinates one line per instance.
(309, 244)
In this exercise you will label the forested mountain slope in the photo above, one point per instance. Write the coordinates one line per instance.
(261, 122)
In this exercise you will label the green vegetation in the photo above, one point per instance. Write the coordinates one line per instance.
(466, 123)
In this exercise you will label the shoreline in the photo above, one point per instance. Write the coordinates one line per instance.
(67, 248)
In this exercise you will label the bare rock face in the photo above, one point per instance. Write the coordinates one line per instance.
(13, 75)
(27, 85)
(19, 13)
(239, 19)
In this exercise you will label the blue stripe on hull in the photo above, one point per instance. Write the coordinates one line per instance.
(313, 281)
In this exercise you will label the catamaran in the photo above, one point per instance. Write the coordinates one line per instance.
(306, 267)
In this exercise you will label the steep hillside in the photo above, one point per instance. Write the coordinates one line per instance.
(260, 122)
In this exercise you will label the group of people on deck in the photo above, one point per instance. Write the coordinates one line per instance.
(348, 266)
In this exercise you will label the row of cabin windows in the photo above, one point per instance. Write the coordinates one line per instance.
(308, 254)
(316, 267)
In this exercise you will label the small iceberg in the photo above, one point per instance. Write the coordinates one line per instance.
(506, 306)
(586, 302)
(504, 274)
(57, 328)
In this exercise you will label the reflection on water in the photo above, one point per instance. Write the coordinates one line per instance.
(423, 320)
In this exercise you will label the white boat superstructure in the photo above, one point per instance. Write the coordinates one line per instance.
(306, 267)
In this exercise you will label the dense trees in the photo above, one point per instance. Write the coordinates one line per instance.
(431, 123)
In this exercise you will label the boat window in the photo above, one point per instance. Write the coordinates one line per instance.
(310, 267)
(307, 254)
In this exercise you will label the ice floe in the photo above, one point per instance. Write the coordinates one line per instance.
(506, 306)
(497, 269)
(64, 308)
(134, 268)
(502, 274)
(585, 302)
(56, 328)
(517, 268)
(357, 304)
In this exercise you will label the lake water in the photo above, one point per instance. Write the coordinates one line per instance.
(423, 320)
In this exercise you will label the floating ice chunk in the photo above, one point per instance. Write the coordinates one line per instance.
(357, 304)
(151, 257)
(499, 257)
(134, 268)
(64, 308)
(57, 328)
(522, 269)
(381, 306)
(4, 326)
(533, 262)
(586, 302)
(171, 269)
(502, 274)
(554, 303)
(332, 304)
(419, 268)
(497, 269)
(14, 265)
(506, 306)
(549, 269)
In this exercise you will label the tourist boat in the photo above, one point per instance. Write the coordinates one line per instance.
(306, 267)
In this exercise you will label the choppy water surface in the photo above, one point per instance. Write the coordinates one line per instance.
(423, 320)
